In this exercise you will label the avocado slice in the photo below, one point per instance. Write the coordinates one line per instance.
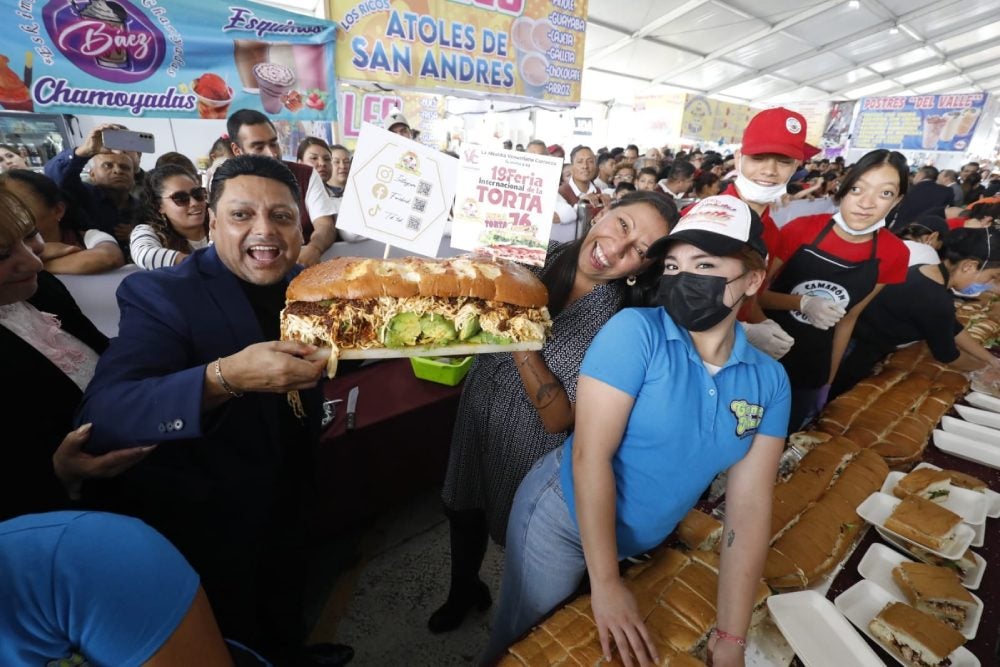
(436, 330)
(402, 330)
(486, 338)
(467, 327)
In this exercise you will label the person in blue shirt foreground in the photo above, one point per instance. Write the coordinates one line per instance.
(103, 589)
(668, 398)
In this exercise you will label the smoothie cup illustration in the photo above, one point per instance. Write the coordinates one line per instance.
(247, 54)
(968, 119)
(114, 15)
(948, 133)
(310, 65)
(932, 131)
(534, 74)
(520, 35)
(540, 36)
(274, 82)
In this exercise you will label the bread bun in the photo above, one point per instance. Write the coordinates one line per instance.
(363, 278)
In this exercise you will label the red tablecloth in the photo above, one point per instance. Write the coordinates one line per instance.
(399, 445)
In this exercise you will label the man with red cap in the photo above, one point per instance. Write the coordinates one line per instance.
(774, 147)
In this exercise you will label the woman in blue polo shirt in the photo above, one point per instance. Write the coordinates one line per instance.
(668, 398)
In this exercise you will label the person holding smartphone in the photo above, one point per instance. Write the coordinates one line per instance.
(106, 201)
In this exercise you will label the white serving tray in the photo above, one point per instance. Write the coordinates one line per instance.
(973, 577)
(877, 565)
(877, 507)
(864, 600)
(818, 633)
(969, 505)
(977, 416)
(967, 448)
(990, 436)
(984, 401)
(992, 497)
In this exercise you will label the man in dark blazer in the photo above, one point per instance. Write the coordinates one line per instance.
(924, 195)
(197, 366)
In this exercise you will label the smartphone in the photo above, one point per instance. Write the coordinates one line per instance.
(127, 140)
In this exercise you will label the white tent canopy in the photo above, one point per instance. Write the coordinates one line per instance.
(766, 52)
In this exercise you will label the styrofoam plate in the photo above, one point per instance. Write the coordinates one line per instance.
(985, 434)
(818, 633)
(992, 497)
(977, 416)
(967, 448)
(877, 565)
(877, 507)
(984, 401)
(864, 600)
(969, 505)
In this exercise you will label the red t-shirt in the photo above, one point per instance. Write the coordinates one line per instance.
(892, 252)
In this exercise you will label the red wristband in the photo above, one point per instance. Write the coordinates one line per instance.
(725, 636)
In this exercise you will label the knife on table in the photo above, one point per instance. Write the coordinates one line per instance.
(352, 407)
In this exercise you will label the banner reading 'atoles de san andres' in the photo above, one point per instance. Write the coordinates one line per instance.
(165, 58)
(526, 49)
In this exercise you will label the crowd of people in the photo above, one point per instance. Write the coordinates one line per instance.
(691, 296)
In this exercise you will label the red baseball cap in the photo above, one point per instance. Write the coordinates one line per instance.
(780, 131)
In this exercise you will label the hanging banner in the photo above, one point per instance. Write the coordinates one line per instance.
(399, 192)
(837, 128)
(423, 111)
(710, 120)
(165, 58)
(922, 122)
(504, 204)
(815, 114)
(527, 49)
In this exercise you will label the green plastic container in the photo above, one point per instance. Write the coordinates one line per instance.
(443, 370)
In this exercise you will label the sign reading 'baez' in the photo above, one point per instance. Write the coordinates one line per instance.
(174, 58)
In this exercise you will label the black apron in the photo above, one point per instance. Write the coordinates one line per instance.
(813, 271)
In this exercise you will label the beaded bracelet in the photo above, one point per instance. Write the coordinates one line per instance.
(723, 635)
(225, 385)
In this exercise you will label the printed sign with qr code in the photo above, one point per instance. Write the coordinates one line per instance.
(413, 223)
(424, 188)
(419, 205)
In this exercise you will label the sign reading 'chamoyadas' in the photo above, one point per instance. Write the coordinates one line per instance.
(174, 58)
(502, 48)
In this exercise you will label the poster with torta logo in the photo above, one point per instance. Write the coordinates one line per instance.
(165, 58)
(504, 49)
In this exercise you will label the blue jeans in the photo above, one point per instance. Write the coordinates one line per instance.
(544, 562)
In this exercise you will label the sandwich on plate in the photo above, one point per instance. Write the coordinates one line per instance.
(962, 566)
(925, 482)
(369, 308)
(914, 637)
(924, 522)
(936, 591)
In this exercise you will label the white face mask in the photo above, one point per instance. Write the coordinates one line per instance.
(754, 192)
(839, 219)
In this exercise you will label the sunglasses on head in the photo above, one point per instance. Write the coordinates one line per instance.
(184, 198)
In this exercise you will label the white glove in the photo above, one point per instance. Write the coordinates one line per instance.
(823, 313)
(768, 337)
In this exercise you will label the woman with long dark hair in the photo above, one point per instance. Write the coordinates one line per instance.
(175, 218)
(515, 408)
(826, 269)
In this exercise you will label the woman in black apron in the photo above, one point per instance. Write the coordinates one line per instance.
(816, 295)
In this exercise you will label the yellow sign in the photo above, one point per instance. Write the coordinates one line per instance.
(527, 49)
(710, 120)
(422, 111)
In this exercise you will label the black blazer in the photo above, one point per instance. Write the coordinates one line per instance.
(38, 406)
(922, 197)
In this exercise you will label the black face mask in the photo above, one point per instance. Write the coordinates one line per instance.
(694, 301)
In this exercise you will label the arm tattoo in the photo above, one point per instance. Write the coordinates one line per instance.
(730, 537)
(546, 394)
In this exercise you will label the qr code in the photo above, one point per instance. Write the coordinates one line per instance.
(413, 224)
(419, 205)
(424, 188)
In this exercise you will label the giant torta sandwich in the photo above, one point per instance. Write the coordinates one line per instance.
(365, 308)
(917, 639)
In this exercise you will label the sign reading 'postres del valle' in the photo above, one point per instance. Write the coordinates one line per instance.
(518, 49)
(165, 58)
